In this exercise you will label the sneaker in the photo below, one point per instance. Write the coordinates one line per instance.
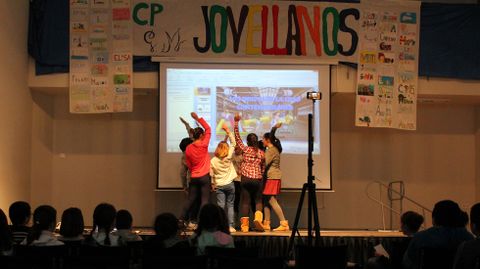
(192, 226)
(232, 230)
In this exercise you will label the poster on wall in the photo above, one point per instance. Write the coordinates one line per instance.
(101, 45)
(386, 90)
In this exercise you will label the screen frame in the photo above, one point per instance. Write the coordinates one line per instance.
(161, 146)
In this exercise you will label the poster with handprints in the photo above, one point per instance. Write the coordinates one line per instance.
(101, 45)
(386, 92)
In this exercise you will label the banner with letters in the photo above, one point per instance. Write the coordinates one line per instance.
(101, 46)
(387, 73)
(221, 28)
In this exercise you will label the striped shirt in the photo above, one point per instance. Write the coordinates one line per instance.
(253, 163)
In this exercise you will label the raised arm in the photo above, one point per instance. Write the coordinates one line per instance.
(274, 139)
(231, 137)
(187, 126)
(238, 139)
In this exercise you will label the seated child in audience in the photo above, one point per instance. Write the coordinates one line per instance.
(44, 220)
(468, 253)
(124, 227)
(103, 223)
(410, 223)
(19, 213)
(213, 229)
(167, 233)
(71, 228)
(5, 236)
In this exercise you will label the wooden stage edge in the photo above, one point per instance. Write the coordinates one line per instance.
(303, 232)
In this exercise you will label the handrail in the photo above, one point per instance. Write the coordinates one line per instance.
(383, 205)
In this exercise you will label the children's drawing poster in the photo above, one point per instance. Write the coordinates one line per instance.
(386, 90)
(101, 45)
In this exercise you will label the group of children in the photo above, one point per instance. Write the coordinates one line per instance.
(251, 171)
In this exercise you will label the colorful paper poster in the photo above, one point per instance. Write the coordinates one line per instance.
(101, 45)
(386, 90)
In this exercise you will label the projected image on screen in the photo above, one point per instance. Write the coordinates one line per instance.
(261, 97)
(263, 107)
(263, 94)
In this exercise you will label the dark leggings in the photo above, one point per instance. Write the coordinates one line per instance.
(251, 192)
(199, 186)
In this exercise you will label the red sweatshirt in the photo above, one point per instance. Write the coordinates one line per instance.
(196, 154)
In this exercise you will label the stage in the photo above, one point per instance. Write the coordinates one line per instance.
(359, 243)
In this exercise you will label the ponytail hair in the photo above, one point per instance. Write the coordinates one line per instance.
(103, 219)
(197, 132)
(44, 218)
(274, 140)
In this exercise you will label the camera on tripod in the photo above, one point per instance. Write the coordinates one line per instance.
(314, 95)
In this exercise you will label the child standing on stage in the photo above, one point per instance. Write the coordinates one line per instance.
(198, 162)
(251, 181)
(223, 173)
(273, 180)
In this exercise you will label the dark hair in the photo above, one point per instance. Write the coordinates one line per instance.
(274, 140)
(72, 222)
(475, 214)
(184, 143)
(5, 234)
(412, 221)
(19, 213)
(447, 213)
(103, 219)
(124, 219)
(252, 140)
(166, 226)
(212, 218)
(197, 132)
(44, 218)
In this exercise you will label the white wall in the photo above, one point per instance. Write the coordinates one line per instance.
(15, 104)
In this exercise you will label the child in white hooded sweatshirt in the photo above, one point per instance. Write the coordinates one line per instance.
(223, 173)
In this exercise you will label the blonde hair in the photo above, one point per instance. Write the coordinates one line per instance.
(222, 150)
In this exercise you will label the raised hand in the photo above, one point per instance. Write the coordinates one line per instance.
(237, 117)
(225, 127)
(278, 125)
(183, 121)
(194, 116)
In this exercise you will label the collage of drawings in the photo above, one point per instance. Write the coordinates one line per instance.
(387, 70)
(101, 46)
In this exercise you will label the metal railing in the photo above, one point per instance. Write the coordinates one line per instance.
(391, 193)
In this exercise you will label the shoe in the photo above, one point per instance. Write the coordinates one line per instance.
(232, 230)
(244, 224)
(192, 226)
(257, 222)
(266, 225)
(283, 227)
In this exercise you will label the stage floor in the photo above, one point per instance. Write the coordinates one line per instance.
(303, 232)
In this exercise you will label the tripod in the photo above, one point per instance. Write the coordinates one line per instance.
(312, 199)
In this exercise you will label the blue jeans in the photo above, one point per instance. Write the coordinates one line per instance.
(226, 194)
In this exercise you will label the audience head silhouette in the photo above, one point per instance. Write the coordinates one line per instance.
(475, 219)
(103, 220)
(411, 222)
(19, 213)
(72, 222)
(124, 220)
(447, 213)
(44, 219)
(212, 218)
(5, 236)
(166, 226)
(222, 150)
